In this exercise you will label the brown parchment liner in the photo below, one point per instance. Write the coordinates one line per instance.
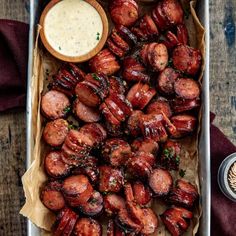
(33, 179)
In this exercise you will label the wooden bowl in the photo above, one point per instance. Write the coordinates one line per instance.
(80, 58)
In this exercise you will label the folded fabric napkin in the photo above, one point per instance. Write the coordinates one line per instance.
(13, 67)
(223, 210)
(13, 63)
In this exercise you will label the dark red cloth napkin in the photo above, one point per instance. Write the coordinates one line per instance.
(13, 68)
(13, 63)
(223, 210)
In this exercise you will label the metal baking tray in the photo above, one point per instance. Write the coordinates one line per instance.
(202, 8)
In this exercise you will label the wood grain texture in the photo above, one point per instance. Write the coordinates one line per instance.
(223, 65)
(12, 124)
(12, 147)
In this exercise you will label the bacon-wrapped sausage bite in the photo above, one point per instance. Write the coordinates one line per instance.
(75, 147)
(87, 227)
(116, 151)
(67, 78)
(176, 220)
(152, 126)
(55, 105)
(104, 62)
(124, 12)
(187, 59)
(119, 106)
(65, 222)
(140, 95)
(95, 132)
(183, 194)
(185, 124)
(134, 71)
(92, 90)
(52, 197)
(179, 105)
(140, 164)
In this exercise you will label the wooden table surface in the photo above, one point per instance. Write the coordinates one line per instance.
(13, 125)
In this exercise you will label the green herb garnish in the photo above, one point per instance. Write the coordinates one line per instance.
(170, 62)
(93, 201)
(168, 153)
(95, 76)
(113, 183)
(177, 159)
(98, 36)
(59, 48)
(182, 173)
(67, 109)
(71, 126)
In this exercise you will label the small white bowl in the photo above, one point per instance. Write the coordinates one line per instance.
(223, 177)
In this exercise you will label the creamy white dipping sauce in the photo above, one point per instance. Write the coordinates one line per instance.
(73, 27)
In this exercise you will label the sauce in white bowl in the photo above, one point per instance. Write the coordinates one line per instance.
(73, 28)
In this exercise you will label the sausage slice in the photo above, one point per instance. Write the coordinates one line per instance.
(113, 203)
(55, 105)
(133, 123)
(187, 88)
(85, 113)
(145, 145)
(160, 182)
(55, 132)
(145, 217)
(65, 222)
(116, 151)
(77, 190)
(176, 220)
(87, 227)
(94, 205)
(123, 12)
(161, 105)
(55, 166)
(159, 57)
(185, 124)
(110, 179)
(187, 59)
(165, 81)
(125, 222)
(52, 197)
(142, 194)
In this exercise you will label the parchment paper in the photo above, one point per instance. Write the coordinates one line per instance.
(35, 177)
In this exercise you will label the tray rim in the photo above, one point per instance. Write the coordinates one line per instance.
(205, 180)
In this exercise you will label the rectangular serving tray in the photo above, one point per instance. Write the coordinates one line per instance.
(202, 9)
